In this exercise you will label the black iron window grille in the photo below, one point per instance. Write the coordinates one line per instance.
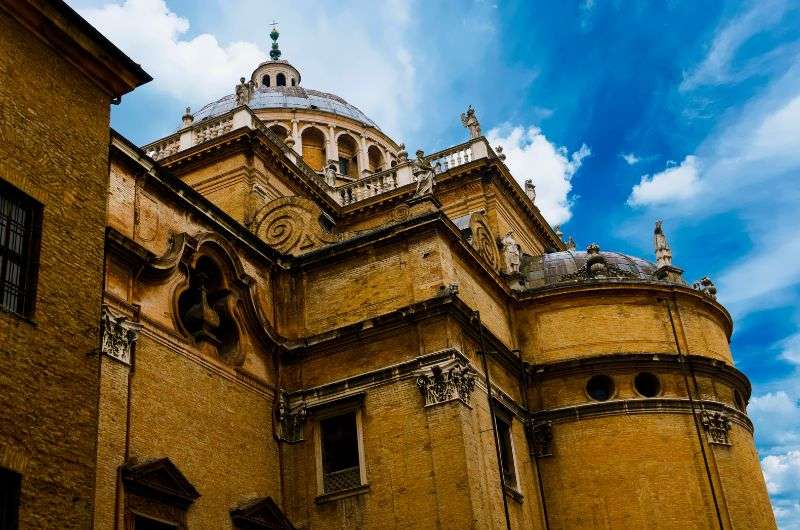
(20, 220)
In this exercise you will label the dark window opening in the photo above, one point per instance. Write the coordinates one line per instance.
(280, 80)
(344, 165)
(600, 388)
(145, 523)
(265, 80)
(738, 401)
(340, 462)
(506, 452)
(293, 81)
(647, 384)
(20, 220)
(9, 499)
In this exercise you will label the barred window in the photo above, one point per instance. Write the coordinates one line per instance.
(9, 499)
(341, 467)
(20, 219)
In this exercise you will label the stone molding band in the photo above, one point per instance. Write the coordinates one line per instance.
(638, 406)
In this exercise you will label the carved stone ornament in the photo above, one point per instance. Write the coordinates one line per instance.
(119, 334)
(707, 287)
(447, 384)
(291, 225)
(292, 420)
(483, 240)
(717, 426)
(541, 438)
(244, 91)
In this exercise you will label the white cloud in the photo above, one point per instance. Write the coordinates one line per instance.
(790, 349)
(777, 416)
(630, 158)
(530, 155)
(782, 472)
(716, 67)
(197, 69)
(675, 183)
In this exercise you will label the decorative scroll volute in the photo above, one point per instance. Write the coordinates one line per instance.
(291, 225)
(483, 240)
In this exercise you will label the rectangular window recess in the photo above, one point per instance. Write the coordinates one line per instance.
(20, 228)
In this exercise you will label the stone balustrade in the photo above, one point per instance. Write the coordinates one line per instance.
(367, 187)
(458, 155)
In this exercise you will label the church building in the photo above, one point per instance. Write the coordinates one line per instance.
(277, 318)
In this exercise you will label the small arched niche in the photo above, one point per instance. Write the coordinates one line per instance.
(348, 155)
(280, 79)
(314, 148)
(205, 308)
(375, 158)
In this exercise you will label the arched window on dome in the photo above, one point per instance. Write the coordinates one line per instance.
(265, 81)
(375, 158)
(348, 156)
(280, 131)
(280, 80)
(313, 148)
(293, 82)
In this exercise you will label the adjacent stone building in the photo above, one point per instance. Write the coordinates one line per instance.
(302, 326)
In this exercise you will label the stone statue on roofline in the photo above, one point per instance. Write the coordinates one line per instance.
(530, 190)
(423, 175)
(244, 91)
(470, 121)
(511, 253)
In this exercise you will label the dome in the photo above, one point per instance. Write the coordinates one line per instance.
(288, 97)
(571, 265)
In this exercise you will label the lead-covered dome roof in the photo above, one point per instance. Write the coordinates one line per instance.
(574, 265)
(288, 97)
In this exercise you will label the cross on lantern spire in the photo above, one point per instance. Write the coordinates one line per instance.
(275, 52)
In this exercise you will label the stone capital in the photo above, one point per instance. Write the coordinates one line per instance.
(118, 336)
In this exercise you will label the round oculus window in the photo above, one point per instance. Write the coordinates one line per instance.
(600, 388)
(647, 384)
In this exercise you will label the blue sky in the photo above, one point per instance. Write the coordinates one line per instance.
(622, 112)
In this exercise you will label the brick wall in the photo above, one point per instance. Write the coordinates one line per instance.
(54, 146)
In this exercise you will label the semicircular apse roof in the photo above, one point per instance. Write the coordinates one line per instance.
(553, 268)
(288, 97)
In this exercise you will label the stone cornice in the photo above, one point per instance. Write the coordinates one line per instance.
(59, 26)
(638, 406)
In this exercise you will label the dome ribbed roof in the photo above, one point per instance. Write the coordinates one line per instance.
(558, 267)
(288, 97)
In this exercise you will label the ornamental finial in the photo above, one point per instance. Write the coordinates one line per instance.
(275, 52)
(663, 252)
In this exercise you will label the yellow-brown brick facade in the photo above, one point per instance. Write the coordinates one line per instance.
(286, 344)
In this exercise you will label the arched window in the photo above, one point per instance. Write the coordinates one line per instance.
(280, 80)
(280, 131)
(375, 159)
(348, 156)
(265, 80)
(314, 148)
(293, 81)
